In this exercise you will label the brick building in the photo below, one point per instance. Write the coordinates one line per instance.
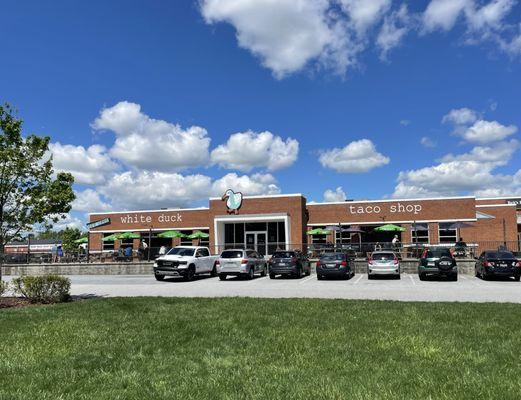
(281, 221)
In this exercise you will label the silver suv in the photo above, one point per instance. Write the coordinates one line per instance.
(383, 263)
(238, 262)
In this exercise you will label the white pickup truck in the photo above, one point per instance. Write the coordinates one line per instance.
(186, 262)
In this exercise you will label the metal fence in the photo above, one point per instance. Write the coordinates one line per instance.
(360, 250)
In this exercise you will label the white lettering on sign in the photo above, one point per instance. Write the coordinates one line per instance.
(393, 209)
(147, 219)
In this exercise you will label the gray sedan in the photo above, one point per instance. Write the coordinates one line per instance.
(383, 263)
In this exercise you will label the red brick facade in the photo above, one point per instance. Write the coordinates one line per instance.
(493, 220)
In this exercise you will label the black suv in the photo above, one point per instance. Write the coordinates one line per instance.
(438, 262)
(498, 263)
(289, 263)
(335, 265)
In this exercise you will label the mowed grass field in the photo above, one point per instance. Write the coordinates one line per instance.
(237, 348)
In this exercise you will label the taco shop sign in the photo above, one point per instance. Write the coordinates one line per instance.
(389, 208)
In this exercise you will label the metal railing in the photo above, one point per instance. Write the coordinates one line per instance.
(312, 250)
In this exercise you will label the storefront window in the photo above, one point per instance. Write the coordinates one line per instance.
(108, 246)
(420, 233)
(446, 234)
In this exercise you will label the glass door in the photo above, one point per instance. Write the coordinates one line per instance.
(257, 241)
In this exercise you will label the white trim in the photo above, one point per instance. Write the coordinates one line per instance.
(247, 218)
(495, 205)
(390, 200)
(150, 211)
(265, 196)
(395, 222)
(153, 229)
(499, 198)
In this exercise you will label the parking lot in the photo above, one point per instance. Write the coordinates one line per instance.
(408, 288)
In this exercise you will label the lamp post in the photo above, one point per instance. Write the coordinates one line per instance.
(149, 242)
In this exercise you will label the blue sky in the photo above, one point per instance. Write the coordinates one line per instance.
(378, 77)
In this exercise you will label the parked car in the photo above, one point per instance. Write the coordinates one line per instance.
(383, 263)
(498, 263)
(335, 264)
(289, 263)
(238, 262)
(439, 262)
(186, 262)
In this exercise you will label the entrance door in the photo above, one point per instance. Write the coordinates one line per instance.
(257, 241)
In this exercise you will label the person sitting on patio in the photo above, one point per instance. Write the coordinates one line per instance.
(162, 250)
(128, 253)
(461, 244)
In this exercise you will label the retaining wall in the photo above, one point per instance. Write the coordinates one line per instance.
(145, 268)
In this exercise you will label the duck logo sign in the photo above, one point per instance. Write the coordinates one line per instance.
(233, 201)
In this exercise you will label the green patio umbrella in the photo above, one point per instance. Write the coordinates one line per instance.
(198, 235)
(318, 231)
(111, 238)
(128, 235)
(81, 240)
(389, 228)
(171, 234)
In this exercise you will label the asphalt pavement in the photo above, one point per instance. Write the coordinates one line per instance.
(408, 288)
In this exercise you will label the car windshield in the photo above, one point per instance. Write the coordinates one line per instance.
(231, 254)
(501, 254)
(383, 256)
(332, 257)
(438, 253)
(181, 251)
(283, 254)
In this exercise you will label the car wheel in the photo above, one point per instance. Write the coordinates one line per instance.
(399, 276)
(264, 271)
(190, 274)
(298, 275)
(454, 277)
(214, 271)
(517, 278)
(272, 276)
(421, 276)
(484, 275)
(160, 277)
(320, 277)
(222, 277)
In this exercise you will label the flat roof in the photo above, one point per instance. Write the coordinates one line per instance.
(391, 200)
(262, 196)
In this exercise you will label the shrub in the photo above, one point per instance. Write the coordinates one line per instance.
(3, 287)
(43, 289)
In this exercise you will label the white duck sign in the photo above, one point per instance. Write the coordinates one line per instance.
(233, 201)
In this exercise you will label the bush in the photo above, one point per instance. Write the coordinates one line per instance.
(43, 289)
(3, 287)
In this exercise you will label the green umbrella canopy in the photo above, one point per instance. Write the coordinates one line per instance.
(198, 235)
(318, 231)
(128, 235)
(111, 238)
(389, 228)
(171, 234)
(81, 240)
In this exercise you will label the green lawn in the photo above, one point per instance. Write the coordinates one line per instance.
(168, 348)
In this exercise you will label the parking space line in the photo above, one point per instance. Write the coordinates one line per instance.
(358, 280)
(412, 280)
(306, 279)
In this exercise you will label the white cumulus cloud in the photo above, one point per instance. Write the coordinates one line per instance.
(89, 166)
(356, 157)
(365, 14)
(461, 116)
(395, 27)
(488, 131)
(152, 144)
(334, 195)
(90, 200)
(245, 151)
(255, 184)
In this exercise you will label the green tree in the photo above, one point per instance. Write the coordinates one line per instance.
(30, 192)
(67, 236)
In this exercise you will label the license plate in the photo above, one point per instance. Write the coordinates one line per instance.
(282, 264)
(431, 264)
(331, 265)
(171, 273)
(503, 265)
(445, 263)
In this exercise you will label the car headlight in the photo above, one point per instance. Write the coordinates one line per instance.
(155, 265)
